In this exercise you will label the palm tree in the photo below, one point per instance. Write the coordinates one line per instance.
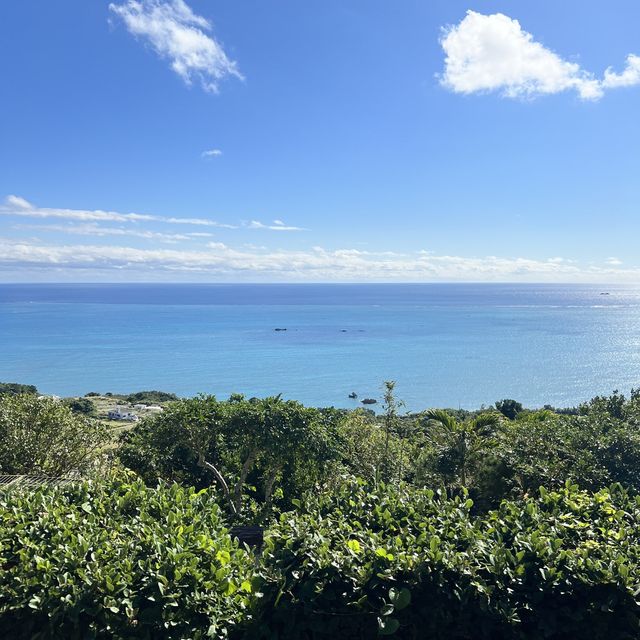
(461, 439)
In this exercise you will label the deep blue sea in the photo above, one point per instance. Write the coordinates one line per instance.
(444, 344)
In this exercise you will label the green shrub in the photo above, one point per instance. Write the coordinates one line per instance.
(150, 397)
(407, 563)
(565, 565)
(509, 408)
(345, 564)
(546, 449)
(257, 451)
(14, 388)
(43, 436)
(118, 560)
(83, 406)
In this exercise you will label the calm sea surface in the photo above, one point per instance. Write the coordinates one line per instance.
(445, 345)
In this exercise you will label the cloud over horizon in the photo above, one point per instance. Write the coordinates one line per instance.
(196, 254)
(487, 53)
(176, 33)
(217, 261)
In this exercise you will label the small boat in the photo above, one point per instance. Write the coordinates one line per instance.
(369, 401)
(353, 395)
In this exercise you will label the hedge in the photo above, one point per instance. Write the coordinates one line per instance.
(119, 560)
(395, 561)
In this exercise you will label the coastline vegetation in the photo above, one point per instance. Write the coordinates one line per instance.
(499, 523)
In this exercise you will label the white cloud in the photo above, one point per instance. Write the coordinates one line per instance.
(219, 260)
(93, 229)
(628, 78)
(18, 203)
(203, 222)
(178, 34)
(614, 261)
(211, 153)
(487, 53)
(17, 206)
(277, 225)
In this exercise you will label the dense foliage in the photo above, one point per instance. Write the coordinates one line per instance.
(252, 449)
(14, 388)
(443, 524)
(150, 397)
(44, 436)
(261, 451)
(406, 562)
(83, 406)
(118, 560)
(596, 445)
(509, 408)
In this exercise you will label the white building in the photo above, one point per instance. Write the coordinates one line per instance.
(117, 414)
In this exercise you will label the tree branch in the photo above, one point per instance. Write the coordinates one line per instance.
(221, 481)
(246, 468)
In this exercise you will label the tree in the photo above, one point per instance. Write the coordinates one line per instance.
(249, 448)
(459, 442)
(83, 406)
(363, 442)
(43, 436)
(14, 388)
(390, 421)
(595, 449)
(150, 397)
(509, 408)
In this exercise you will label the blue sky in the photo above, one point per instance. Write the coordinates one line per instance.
(349, 140)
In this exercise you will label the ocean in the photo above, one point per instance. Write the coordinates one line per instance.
(445, 345)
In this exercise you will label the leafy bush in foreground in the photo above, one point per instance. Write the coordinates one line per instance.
(394, 561)
(329, 569)
(118, 560)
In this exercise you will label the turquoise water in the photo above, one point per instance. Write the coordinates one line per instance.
(445, 345)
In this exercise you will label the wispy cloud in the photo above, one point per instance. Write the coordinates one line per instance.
(211, 153)
(17, 206)
(219, 260)
(277, 225)
(96, 230)
(178, 34)
(487, 53)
